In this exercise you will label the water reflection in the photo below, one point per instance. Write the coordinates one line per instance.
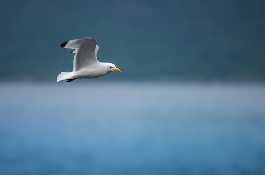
(132, 128)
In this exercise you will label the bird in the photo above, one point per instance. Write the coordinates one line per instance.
(85, 63)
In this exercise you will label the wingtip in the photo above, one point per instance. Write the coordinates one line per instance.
(64, 43)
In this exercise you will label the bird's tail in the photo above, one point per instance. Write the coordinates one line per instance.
(65, 76)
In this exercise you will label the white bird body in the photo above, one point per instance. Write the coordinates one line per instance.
(86, 64)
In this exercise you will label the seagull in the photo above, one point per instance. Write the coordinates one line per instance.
(86, 64)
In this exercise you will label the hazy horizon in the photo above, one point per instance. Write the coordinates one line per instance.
(172, 40)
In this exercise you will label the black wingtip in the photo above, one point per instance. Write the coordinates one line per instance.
(64, 43)
(69, 80)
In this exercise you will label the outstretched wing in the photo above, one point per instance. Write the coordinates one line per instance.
(85, 49)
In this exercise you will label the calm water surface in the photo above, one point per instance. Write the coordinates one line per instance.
(132, 128)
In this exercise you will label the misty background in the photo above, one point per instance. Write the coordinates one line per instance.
(190, 99)
(172, 40)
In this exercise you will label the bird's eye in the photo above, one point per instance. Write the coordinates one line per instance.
(110, 67)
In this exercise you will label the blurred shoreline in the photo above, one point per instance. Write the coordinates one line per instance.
(143, 81)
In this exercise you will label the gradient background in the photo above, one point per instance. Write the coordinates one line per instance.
(175, 40)
(190, 99)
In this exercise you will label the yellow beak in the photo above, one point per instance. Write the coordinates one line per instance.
(117, 69)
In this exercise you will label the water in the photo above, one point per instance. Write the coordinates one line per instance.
(132, 128)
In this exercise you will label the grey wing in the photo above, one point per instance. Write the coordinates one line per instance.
(86, 51)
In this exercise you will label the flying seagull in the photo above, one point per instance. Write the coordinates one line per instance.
(86, 64)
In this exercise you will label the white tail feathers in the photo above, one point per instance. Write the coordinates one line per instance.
(65, 76)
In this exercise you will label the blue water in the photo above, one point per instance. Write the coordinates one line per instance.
(132, 128)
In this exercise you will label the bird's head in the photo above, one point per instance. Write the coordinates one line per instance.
(111, 67)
